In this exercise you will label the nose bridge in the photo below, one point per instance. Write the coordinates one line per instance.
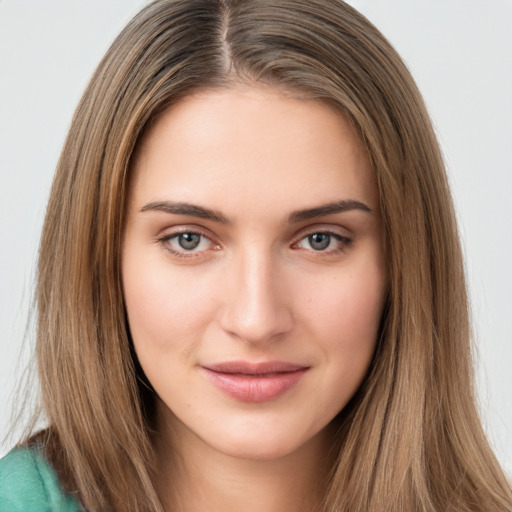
(256, 310)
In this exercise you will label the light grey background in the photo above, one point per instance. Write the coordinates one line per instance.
(460, 52)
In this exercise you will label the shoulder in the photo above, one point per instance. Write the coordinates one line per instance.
(28, 484)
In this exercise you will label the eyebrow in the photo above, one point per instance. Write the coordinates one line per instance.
(215, 216)
(185, 209)
(327, 209)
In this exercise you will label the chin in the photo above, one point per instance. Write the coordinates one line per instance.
(257, 449)
(266, 443)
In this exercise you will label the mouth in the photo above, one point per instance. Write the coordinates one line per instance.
(254, 382)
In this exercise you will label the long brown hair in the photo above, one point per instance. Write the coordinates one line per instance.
(410, 440)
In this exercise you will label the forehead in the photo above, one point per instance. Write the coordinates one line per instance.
(249, 147)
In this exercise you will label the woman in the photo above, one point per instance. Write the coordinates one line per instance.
(251, 291)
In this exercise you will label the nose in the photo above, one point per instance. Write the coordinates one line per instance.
(255, 308)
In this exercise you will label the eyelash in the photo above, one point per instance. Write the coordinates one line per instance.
(165, 242)
(344, 242)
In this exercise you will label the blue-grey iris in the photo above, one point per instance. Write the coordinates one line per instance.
(319, 241)
(189, 241)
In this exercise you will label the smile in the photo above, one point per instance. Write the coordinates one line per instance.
(249, 382)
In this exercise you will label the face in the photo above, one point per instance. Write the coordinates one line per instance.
(252, 268)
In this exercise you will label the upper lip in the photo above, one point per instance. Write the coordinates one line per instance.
(248, 368)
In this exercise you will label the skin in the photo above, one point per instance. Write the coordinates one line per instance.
(257, 287)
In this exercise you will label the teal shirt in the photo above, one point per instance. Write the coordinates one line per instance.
(29, 484)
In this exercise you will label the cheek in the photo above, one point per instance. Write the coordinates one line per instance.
(164, 308)
(345, 317)
(350, 306)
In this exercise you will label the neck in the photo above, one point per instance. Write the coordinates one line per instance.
(194, 477)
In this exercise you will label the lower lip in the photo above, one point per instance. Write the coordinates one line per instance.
(255, 388)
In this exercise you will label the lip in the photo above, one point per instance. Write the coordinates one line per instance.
(254, 382)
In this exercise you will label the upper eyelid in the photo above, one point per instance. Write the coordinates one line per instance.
(171, 231)
(329, 229)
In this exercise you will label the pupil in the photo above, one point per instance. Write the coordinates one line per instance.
(319, 241)
(189, 240)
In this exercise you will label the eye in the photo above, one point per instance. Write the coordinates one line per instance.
(324, 241)
(186, 243)
(319, 241)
